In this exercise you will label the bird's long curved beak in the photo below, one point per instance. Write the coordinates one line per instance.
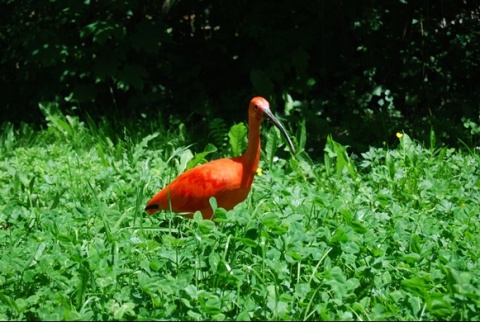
(269, 115)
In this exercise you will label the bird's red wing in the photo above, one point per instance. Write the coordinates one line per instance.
(192, 190)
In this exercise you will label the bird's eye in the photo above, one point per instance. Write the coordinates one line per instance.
(256, 106)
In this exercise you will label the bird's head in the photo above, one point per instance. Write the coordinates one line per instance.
(259, 109)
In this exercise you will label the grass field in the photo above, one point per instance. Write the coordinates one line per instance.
(392, 234)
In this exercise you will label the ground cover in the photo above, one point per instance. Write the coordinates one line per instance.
(391, 234)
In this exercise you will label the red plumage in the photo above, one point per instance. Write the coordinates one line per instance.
(228, 180)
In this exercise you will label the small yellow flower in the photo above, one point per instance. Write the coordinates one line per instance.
(259, 171)
(399, 135)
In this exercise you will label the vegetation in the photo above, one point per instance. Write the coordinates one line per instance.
(392, 234)
(358, 70)
(376, 216)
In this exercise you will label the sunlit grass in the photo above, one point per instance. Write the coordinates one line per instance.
(392, 235)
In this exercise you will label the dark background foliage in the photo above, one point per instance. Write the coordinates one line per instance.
(361, 70)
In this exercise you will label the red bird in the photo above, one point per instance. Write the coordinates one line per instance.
(228, 180)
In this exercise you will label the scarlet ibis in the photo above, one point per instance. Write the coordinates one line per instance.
(228, 180)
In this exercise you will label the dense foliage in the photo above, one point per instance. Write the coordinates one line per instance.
(360, 70)
(120, 88)
(392, 235)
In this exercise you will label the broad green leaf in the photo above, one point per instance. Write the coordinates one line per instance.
(200, 157)
(238, 138)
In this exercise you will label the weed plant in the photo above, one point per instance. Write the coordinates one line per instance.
(391, 235)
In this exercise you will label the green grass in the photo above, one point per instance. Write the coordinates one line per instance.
(393, 234)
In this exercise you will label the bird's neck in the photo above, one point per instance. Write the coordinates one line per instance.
(252, 154)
